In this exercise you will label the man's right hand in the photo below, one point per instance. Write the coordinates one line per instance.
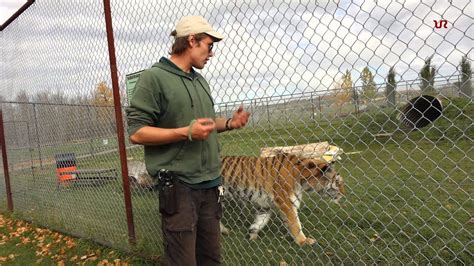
(202, 128)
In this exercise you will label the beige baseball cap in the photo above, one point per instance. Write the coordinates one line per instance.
(196, 24)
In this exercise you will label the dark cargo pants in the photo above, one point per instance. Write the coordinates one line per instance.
(191, 230)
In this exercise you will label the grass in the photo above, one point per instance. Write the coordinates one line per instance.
(409, 195)
(390, 208)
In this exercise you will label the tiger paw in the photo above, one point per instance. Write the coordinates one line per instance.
(253, 236)
(224, 230)
(307, 241)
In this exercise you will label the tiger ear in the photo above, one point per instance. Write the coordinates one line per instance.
(323, 166)
(310, 165)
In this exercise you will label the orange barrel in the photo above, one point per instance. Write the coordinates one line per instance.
(65, 162)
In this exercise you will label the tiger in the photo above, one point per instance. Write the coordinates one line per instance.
(279, 182)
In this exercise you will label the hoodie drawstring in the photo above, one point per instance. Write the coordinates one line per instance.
(210, 97)
(189, 94)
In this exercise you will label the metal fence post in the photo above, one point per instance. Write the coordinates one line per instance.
(119, 123)
(253, 114)
(30, 149)
(5, 164)
(37, 136)
(320, 108)
(268, 112)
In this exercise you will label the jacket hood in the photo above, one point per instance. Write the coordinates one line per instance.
(169, 66)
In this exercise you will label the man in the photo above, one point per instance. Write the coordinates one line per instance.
(171, 113)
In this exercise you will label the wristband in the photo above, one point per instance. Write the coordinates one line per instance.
(227, 124)
(190, 130)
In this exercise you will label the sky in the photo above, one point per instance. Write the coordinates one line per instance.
(271, 47)
(8, 8)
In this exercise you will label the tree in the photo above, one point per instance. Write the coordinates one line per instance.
(103, 99)
(465, 88)
(103, 95)
(22, 108)
(344, 88)
(427, 74)
(391, 87)
(369, 89)
(346, 84)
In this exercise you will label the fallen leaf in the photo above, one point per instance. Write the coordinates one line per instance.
(103, 262)
(374, 238)
(70, 243)
(25, 240)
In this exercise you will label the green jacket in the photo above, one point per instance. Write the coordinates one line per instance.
(167, 97)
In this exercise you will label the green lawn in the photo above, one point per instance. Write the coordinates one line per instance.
(409, 195)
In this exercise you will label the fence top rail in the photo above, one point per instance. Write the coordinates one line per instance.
(59, 104)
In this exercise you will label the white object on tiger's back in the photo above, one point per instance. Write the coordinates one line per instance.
(319, 150)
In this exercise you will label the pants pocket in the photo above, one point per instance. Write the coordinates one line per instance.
(180, 215)
(168, 200)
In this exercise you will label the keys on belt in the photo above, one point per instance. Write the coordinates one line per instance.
(221, 193)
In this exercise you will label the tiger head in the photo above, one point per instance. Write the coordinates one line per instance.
(319, 175)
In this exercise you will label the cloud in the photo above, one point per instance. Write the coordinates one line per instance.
(8, 8)
(271, 47)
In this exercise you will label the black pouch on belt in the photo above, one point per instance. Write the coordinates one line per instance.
(168, 192)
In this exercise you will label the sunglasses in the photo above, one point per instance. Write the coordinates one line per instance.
(210, 46)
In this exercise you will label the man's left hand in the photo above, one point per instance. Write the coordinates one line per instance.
(240, 118)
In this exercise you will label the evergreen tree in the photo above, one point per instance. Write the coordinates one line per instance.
(427, 75)
(369, 89)
(466, 76)
(391, 87)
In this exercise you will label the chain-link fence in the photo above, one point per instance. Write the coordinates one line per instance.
(341, 72)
